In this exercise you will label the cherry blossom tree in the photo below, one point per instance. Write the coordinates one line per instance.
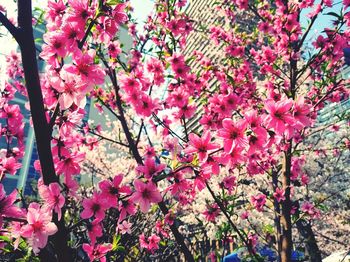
(242, 162)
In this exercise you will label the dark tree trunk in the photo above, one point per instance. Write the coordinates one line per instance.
(286, 234)
(25, 40)
(277, 209)
(305, 230)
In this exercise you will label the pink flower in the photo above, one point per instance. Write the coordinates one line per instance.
(169, 218)
(114, 49)
(84, 68)
(14, 118)
(69, 163)
(301, 113)
(229, 183)
(245, 215)
(279, 195)
(70, 90)
(279, 115)
(119, 14)
(124, 227)
(143, 241)
(15, 229)
(304, 179)
(258, 201)
(232, 134)
(125, 208)
(151, 243)
(211, 212)
(234, 158)
(179, 66)
(181, 3)
(72, 34)
(150, 168)
(145, 194)
(7, 207)
(94, 230)
(39, 226)
(55, 46)
(52, 196)
(97, 252)
(95, 206)
(112, 189)
(257, 141)
(201, 145)
(79, 12)
(55, 9)
(146, 105)
(179, 185)
(311, 210)
(155, 67)
(211, 166)
(9, 166)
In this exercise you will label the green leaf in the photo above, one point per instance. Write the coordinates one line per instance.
(120, 249)
(5, 239)
(268, 229)
(333, 14)
(113, 2)
(115, 243)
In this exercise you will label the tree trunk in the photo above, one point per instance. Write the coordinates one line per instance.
(286, 235)
(277, 209)
(305, 230)
(25, 40)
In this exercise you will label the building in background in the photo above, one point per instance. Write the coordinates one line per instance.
(204, 15)
(337, 113)
(26, 176)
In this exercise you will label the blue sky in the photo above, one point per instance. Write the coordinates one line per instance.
(322, 21)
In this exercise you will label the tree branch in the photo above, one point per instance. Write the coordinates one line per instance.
(9, 26)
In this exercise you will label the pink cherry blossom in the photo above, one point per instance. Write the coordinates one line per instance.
(310, 209)
(7, 207)
(69, 162)
(110, 190)
(201, 145)
(279, 195)
(52, 196)
(150, 169)
(145, 194)
(279, 115)
(9, 166)
(126, 207)
(119, 14)
(124, 227)
(39, 226)
(258, 201)
(211, 212)
(229, 183)
(97, 252)
(84, 67)
(94, 230)
(94, 206)
(79, 12)
(70, 90)
(150, 243)
(232, 134)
